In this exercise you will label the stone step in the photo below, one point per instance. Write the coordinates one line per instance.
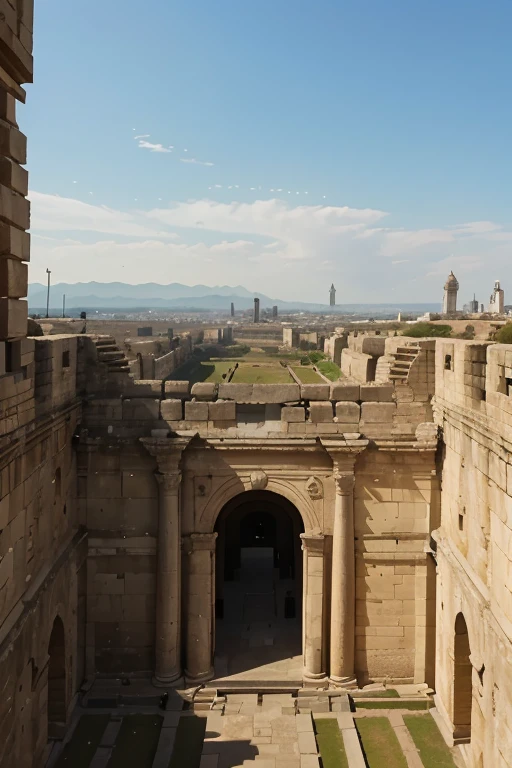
(114, 355)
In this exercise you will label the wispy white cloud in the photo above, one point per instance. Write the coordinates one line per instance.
(195, 161)
(142, 136)
(153, 147)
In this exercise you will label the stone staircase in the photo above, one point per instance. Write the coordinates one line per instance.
(110, 354)
(403, 359)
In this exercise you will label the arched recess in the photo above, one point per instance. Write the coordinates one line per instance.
(462, 683)
(258, 583)
(57, 680)
(233, 488)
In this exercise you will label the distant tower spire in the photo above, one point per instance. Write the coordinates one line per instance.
(332, 295)
(450, 295)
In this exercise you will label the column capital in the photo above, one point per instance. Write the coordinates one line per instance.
(169, 482)
(313, 544)
(166, 451)
(345, 482)
(344, 452)
(192, 542)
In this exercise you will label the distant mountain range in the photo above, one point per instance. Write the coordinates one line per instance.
(122, 296)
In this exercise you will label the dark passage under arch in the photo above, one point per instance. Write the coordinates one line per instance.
(258, 586)
(462, 684)
(57, 680)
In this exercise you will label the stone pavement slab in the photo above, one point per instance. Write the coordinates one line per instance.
(307, 743)
(353, 748)
(303, 723)
(101, 757)
(110, 733)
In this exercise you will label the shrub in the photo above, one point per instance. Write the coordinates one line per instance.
(504, 335)
(315, 357)
(305, 360)
(419, 330)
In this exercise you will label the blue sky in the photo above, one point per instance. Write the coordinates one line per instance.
(390, 119)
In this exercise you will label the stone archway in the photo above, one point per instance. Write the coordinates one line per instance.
(258, 588)
(57, 681)
(462, 682)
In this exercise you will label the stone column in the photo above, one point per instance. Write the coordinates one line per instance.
(199, 552)
(313, 611)
(168, 576)
(343, 584)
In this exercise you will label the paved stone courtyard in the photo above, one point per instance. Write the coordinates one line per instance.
(239, 730)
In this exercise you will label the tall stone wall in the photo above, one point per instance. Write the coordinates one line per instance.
(474, 549)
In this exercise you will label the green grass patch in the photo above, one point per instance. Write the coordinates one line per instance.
(330, 744)
(307, 375)
(329, 369)
(432, 747)
(393, 704)
(379, 742)
(188, 745)
(79, 751)
(261, 374)
(136, 742)
(220, 370)
(389, 693)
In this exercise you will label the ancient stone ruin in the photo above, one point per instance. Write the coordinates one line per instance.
(131, 509)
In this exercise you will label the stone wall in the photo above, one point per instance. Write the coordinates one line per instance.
(474, 549)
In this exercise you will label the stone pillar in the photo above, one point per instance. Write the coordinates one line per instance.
(199, 552)
(168, 576)
(343, 584)
(313, 611)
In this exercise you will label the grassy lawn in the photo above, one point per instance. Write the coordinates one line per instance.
(136, 742)
(220, 367)
(261, 374)
(393, 704)
(79, 751)
(379, 742)
(307, 375)
(188, 745)
(433, 750)
(389, 693)
(330, 744)
(329, 369)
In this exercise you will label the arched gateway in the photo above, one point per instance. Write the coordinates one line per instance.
(258, 588)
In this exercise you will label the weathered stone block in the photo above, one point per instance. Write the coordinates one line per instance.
(171, 410)
(141, 408)
(348, 413)
(293, 415)
(222, 410)
(13, 175)
(176, 388)
(315, 391)
(13, 318)
(204, 390)
(275, 393)
(341, 391)
(13, 278)
(380, 393)
(242, 393)
(378, 412)
(320, 412)
(196, 411)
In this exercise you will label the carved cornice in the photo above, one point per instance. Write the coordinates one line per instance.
(198, 541)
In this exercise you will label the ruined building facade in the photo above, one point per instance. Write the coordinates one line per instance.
(124, 505)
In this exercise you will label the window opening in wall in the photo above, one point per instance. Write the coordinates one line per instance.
(461, 522)
(508, 386)
(448, 364)
(65, 359)
(463, 686)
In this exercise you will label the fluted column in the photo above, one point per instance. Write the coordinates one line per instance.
(343, 584)
(313, 547)
(199, 553)
(168, 671)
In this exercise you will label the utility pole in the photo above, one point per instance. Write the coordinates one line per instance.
(48, 272)
(63, 305)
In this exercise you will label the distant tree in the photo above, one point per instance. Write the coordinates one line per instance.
(422, 330)
(504, 335)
